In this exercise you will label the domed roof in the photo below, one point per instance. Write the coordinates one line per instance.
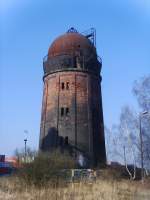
(70, 42)
(72, 51)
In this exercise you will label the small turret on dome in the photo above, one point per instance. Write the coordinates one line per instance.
(72, 30)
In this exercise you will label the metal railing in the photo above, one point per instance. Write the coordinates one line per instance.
(69, 61)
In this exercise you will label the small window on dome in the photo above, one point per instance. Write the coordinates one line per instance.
(74, 62)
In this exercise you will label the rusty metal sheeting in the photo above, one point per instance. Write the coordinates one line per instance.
(69, 43)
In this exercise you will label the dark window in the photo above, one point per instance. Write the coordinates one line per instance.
(67, 85)
(62, 85)
(66, 140)
(74, 62)
(67, 111)
(62, 111)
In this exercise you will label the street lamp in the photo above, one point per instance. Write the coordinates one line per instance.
(25, 149)
(25, 146)
(141, 142)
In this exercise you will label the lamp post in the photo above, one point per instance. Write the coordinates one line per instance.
(25, 149)
(141, 143)
(25, 145)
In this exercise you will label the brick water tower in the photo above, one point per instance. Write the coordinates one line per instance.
(72, 113)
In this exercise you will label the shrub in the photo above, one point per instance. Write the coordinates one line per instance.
(47, 167)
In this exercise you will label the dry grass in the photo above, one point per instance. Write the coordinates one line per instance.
(12, 189)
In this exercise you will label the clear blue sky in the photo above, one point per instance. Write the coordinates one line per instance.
(27, 28)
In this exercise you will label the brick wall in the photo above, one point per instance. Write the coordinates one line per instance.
(72, 108)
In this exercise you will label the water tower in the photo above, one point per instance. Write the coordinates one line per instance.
(72, 111)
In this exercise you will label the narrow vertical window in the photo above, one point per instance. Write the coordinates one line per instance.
(67, 111)
(66, 141)
(62, 85)
(62, 111)
(67, 85)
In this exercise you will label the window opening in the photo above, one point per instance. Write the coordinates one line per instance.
(62, 85)
(74, 62)
(67, 85)
(66, 140)
(67, 111)
(62, 111)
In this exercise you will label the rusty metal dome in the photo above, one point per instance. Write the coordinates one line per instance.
(70, 42)
(72, 51)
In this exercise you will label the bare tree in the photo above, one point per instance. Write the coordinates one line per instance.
(141, 91)
(132, 176)
(123, 140)
(128, 130)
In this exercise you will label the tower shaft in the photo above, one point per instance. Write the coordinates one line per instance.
(72, 103)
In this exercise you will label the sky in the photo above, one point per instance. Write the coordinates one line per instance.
(27, 29)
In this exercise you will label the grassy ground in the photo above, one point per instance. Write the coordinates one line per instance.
(12, 189)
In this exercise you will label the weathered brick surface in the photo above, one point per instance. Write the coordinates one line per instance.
(83, 123)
